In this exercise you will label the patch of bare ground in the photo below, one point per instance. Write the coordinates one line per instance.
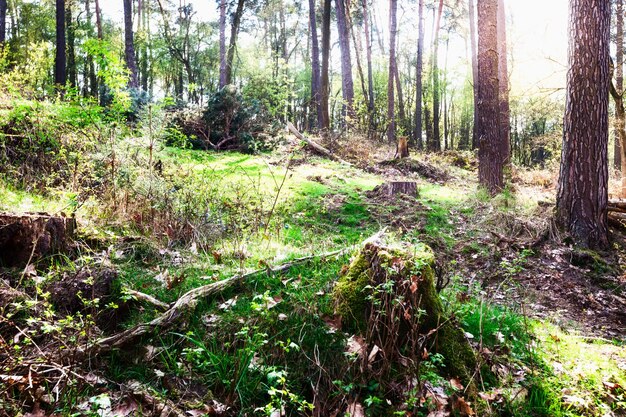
(523, 262)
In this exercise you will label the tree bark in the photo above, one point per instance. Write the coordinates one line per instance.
(99, 20)
(71, 45)
(315, 67)
(3, 21)
(490, 161)
(324, 77)
(129, 44)
(370, 72)
(435, 145)
(60, 74)
(347, 85)
(620, 133)
(391, 110)
(474, 52)
(503, 73)
(222, 81)
(417, 132)
(619, 84)
(232, 45)
(582, 196)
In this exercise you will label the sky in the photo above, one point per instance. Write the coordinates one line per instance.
(537, 39)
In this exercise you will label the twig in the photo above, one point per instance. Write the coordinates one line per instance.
(147, 299)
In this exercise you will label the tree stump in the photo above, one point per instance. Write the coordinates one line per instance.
(27, 238)
(388, 296)
(391, 189)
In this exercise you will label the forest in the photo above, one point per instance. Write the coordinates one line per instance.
(324, 208)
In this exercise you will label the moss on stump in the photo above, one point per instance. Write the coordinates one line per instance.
(388, 296)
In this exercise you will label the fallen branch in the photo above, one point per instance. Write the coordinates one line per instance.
(188, 301)
(139, 296)
(160, 407)
(316, 146)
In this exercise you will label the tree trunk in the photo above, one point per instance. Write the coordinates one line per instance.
(582, 196)
(347, 86)
(145, 67)
(315, 67)
(3, 21)
(129, 44)
(490, 162)
(99, 20)
(324, 76)
(436, 140)
(620, 132)
(60, 74)
(234, 32)
(503, 73)
(91, 84)
(71, 45)
(417, 132)
(619, 83)
(391, 112)
(370, 72)
(474, 52)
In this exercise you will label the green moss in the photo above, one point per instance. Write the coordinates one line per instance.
(366, 279)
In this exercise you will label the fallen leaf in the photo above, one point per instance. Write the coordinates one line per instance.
(355, 410)
(456, 384)
(463, 407)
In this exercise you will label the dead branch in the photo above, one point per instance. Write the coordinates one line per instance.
(316, 146)
(139, 296)
(188, 301)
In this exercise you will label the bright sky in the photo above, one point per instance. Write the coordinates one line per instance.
(537, 36)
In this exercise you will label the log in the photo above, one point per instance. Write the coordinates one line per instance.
(617, 220)
(27, 238)
(316, 146)
(618, 204)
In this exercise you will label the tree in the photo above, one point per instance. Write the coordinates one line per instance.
(435, 144)
(70, 27)
(60, 74)
(324, 78)
(474, 59)
(222, 81)
(391, 114)
(582, 197)
(232, 44)
(490, 158)
(503, 81)
(370, 72)
(3, 21)
(347, 85)
(417, 132)
(129, 44)
(315, 66)
(619, 87)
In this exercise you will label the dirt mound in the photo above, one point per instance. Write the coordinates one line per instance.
(400, 210)
(408, 166)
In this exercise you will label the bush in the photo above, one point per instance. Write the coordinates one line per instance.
(228, 122)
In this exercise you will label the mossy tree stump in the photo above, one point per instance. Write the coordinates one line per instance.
(388, 296)
(29, 237)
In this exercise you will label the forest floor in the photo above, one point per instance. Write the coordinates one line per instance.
(546, 319)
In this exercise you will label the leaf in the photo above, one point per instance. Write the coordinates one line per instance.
(456, 384)
(463, 407)
(355, 409)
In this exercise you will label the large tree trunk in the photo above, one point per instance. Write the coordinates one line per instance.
(347, 85)
(71, 45)
(503, 71)
(435, 144)
(582, 197)
(232, 45)
(129, 44)
(619, 83)
(490, 162)
(315, 67)
(391, 112)
(474, 52)
(620, 132)
(417, 132)
(324, 77)
(60, 74)
(3, 21)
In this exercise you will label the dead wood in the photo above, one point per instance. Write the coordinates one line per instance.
(316, 146)
(188, 301)
(26, 238)
(390, 189)
(148, 299)
(158, 406)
